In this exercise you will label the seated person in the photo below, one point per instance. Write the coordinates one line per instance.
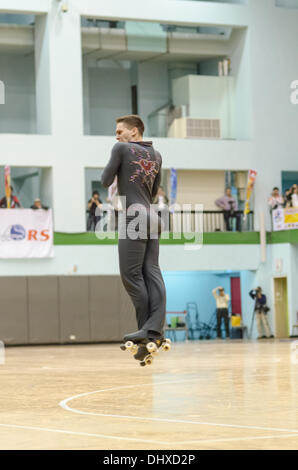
(37, 205)
(14, 202)
(229, 205)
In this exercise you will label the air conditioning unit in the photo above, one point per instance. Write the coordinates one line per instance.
(195, 128)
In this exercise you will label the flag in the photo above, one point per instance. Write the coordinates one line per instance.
(250, 185)
(173, 186)
(7, 185)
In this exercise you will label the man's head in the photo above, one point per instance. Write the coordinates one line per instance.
(275, 192)
(221, 291)
(95, 195)
(228, 192)
(37, 203)
(129, 128)
(259, 290)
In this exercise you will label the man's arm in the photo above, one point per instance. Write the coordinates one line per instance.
(220, 203)
(214, 292)
(252, 294)
(17, 202)
(113, 166)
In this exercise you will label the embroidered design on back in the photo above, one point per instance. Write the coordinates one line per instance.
(147, 169)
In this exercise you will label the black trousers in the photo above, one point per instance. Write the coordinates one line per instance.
(227, 216)
(92, 222)
(222, 313)
(142, 279)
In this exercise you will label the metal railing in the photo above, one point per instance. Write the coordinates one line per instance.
(213, 221)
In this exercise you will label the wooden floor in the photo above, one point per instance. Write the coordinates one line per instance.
(201, 395)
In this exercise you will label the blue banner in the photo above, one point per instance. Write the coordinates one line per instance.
(173, 186)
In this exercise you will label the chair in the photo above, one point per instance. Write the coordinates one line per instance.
(172, 330)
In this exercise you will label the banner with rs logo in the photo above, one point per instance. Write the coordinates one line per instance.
(26, 233)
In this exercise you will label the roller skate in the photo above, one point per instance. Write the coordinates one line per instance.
(145, 348)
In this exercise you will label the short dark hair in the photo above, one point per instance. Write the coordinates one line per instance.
(132, 120)
(95, 192)
(276, 188)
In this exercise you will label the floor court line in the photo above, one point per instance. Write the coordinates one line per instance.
(64, 405)
(236, 439)
(101, 436)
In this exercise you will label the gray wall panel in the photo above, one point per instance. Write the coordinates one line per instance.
(104, 308)
(74, 308)
(43, 306)
(13, 310)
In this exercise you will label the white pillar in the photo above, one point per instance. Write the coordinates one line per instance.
(59, 101)
(58, 67)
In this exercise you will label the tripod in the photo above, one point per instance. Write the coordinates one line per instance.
(252, 324)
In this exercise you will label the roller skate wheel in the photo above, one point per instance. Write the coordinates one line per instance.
(168, 341)
(129, 345)
(142, 364)
(134, 349)
(166, 347)
(151, 347)
(122, 346)
(148, 360)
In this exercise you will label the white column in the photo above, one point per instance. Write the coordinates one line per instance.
(58, 63)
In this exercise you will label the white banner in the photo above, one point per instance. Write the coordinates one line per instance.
(26, 233)
(285, 219)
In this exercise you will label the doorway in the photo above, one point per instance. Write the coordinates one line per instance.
(281, 307)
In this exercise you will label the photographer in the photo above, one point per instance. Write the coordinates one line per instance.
(294, 198)
(288, 197)
(261, 311)
(93, 204)
(230, 207)
(222, 303)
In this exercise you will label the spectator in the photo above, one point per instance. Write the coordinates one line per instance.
(229, 206)
(14, 202)
(294, 198)
(275, 200)
(288, 197)
(93, 217)
(222, 303)
(161, 199)
(37, 205)
(261, 310)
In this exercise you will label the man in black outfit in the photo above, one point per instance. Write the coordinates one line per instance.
(93, 204)
(138, 169)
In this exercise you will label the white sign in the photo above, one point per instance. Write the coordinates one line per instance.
(26, 233)
(285, 219)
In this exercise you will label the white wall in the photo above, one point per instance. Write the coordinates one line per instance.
(200, 187)
(103, 259)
